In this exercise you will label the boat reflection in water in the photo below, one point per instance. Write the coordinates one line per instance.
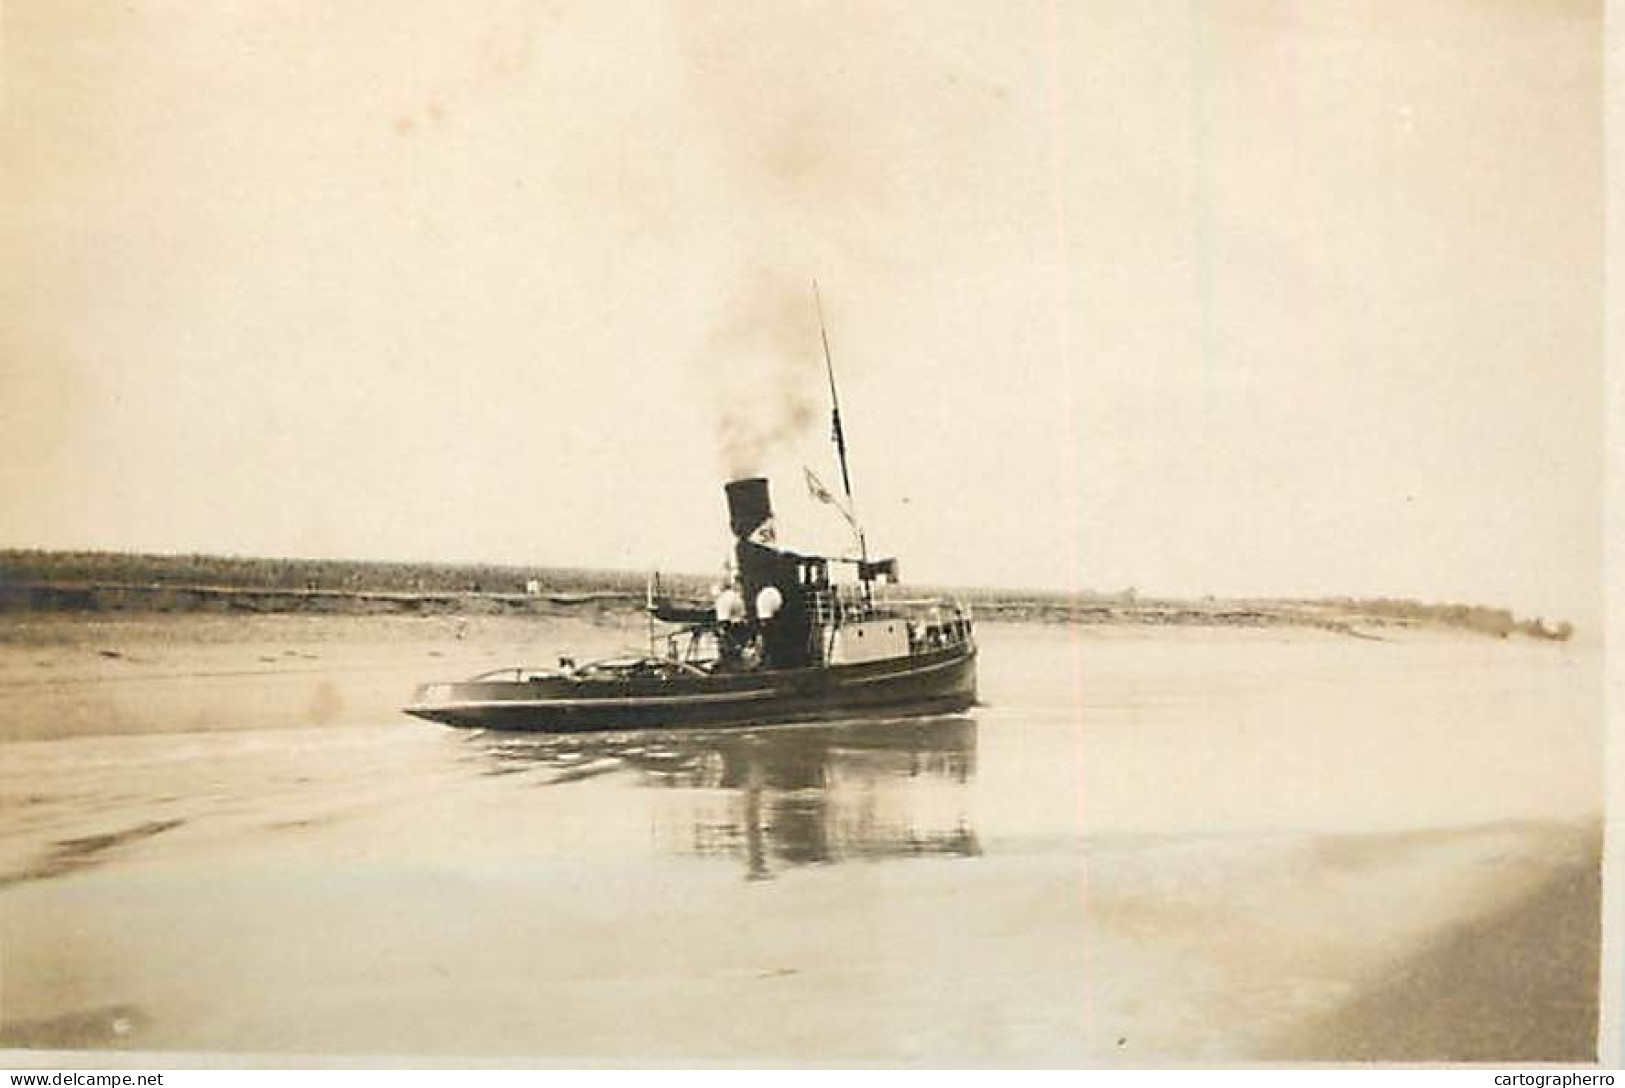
(781, 796)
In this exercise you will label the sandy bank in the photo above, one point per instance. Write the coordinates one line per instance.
(1518, 984)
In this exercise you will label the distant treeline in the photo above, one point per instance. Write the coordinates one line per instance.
(1490, 621)
(1349, 615)
(114, 581)
(331, 575)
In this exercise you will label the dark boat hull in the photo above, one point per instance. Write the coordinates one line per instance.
(939, 682)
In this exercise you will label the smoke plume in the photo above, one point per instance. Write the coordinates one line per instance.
(764, 371)
(806, 124)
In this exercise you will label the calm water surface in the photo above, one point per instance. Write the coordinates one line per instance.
(1145, 846)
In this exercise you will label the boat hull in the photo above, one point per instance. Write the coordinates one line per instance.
(939, 682)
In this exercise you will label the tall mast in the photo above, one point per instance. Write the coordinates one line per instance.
(834, 397)
(839, 436)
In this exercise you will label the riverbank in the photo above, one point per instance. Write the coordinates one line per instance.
(1357, 618)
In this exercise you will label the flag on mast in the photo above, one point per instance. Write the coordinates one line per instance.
(816, 488)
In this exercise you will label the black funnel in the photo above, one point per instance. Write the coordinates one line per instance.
(748, 505)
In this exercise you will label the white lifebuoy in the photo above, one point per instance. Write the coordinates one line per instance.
(730, 606)
(768, 602)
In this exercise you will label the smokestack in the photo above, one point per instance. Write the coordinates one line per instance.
(786, 634)
(748, 505)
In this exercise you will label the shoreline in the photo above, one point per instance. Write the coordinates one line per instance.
(1350, 618)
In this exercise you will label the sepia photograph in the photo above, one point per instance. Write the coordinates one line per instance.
(803, 534)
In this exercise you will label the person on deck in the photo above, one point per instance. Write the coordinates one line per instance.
(732, 631)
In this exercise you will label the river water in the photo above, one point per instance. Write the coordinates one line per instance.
(1147, 846)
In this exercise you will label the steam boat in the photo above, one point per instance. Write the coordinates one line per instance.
(780, 641)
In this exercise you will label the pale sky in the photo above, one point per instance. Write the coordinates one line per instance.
(1251, 298)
